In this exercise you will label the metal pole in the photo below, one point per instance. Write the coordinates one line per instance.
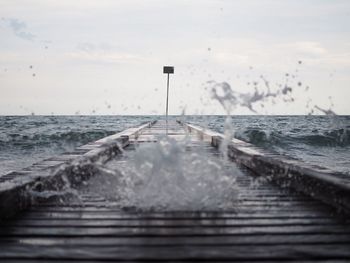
(167, 99)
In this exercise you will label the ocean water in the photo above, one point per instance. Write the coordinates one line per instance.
(27, 139)
(321, 140)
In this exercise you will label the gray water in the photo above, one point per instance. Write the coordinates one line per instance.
(321, 140)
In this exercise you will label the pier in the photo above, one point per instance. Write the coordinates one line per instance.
(285, 211)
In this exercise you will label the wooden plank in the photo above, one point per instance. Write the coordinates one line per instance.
(99, 215)
(87, 203)
(240, 207)
(100, 205)
(199, 230)
(181, 240)
(277, 252)
(177, 222)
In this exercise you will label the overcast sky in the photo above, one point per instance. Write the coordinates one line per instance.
(106, 57)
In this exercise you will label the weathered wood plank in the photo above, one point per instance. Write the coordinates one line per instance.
(184, 252)
(181, 240)
(177, 222)
(113, 215)
(199, 230)
(237, 208)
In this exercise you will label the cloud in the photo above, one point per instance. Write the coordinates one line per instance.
(234, 51)
(307, 48)
(19, 27)
(112, 57)
(317, 54)
(102, 53)
(91, 47)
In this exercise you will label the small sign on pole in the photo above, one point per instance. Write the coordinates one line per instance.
(167, 70)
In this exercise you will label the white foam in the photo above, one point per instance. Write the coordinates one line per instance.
(164, 176)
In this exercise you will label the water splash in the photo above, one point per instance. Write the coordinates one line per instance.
(336, 137)
(165, 176)
(231, 99)
(61, 190)
(325, 111)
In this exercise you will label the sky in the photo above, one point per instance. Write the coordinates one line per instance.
(106, 57)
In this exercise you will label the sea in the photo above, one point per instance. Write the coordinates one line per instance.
(321, 140)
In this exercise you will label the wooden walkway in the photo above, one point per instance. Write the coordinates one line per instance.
(268, 224)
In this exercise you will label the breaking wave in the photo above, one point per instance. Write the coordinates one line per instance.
(164, 176)
(62, 139)
(333, 138)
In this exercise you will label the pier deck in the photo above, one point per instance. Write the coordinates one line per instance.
(268, 223)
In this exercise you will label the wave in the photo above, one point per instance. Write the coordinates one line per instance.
(62, 139)
(259, 137)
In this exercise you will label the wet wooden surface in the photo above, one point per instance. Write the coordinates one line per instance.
(267, 224)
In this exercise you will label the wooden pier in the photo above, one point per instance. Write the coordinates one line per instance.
(269, 223)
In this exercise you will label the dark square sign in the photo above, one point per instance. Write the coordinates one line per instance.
(168, 70)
